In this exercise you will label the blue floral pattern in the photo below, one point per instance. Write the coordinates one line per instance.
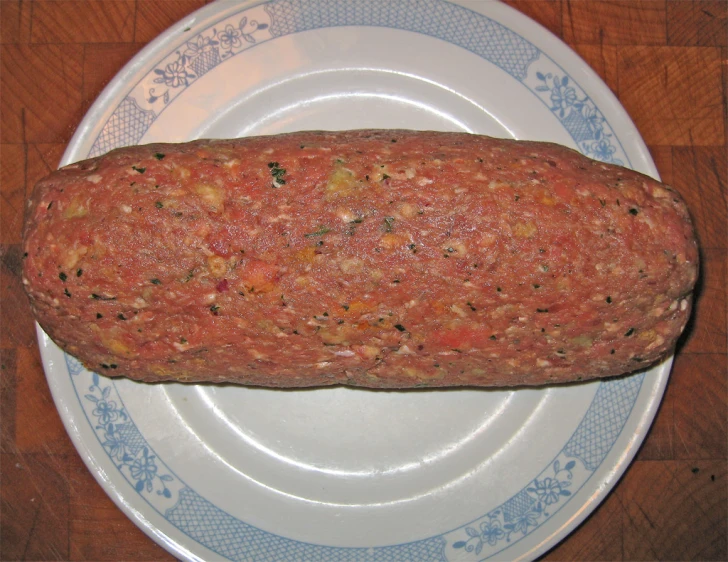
(139, 464)
(201, 54)
(499, 526)
(579, 116)
(493, 42)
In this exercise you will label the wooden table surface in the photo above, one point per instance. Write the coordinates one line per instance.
(667, 62)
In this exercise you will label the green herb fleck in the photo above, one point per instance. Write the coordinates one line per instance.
(345, 306)
(159, 205)
(544, 268)
(603, 202)
(277, 172)
(120, 316)
(320, 232)
(62, 276)
(385, 177)
(395, 280)
(400, 327)
(493, 337)
(536, 286)
(637, 359)
(65, 292)
(498, 289)
(325, 314)
(517, 197)
(471, 307)
(99, 316)
(155, 281)
(633, 211)
(542, 310)
(214, 308)
(48, 208)
(140, 170)
(629, 332)
(388, 224)
(609, 300)
(611, 352)
(79, 272)
(183, 340)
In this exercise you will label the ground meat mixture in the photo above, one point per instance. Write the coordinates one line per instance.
(386, 259)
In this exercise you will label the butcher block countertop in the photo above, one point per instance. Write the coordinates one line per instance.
(667, 62)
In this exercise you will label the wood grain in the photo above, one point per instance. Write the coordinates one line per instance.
(666, 60)
(15, 17)
(699, 24)
(615, 22)
(42, 86)
(151, 17)
(669, 509)
(673, 94)
(12, 191)
(83, 21)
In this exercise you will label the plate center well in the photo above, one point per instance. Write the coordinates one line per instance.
(353, 446)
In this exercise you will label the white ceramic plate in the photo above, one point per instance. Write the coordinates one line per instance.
(343, 474)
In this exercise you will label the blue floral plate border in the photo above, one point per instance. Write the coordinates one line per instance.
(589, 462)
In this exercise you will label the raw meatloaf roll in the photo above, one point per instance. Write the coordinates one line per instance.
(387, 259)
